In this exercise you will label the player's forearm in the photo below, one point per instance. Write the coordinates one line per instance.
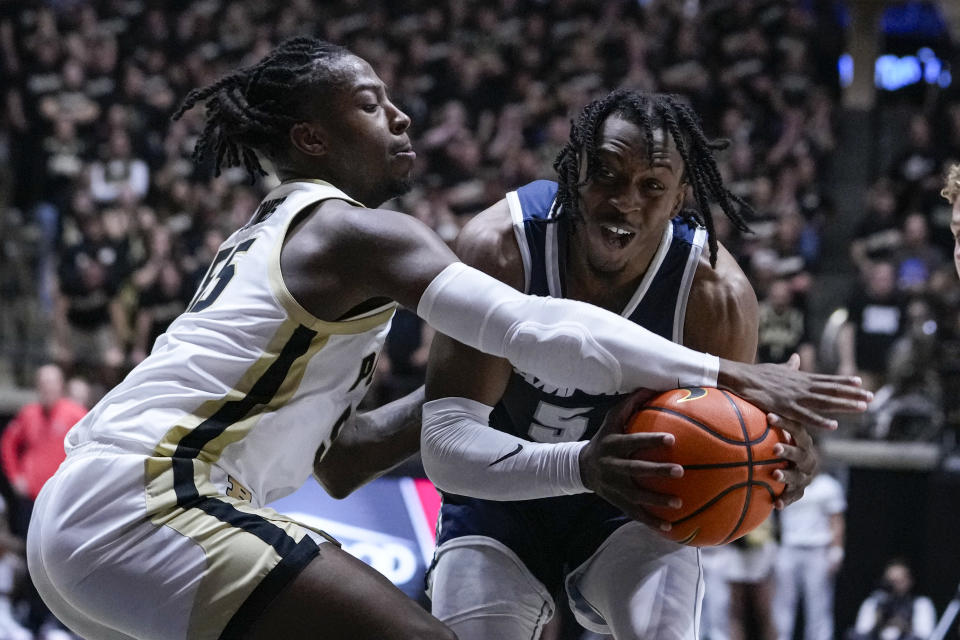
(372, 444)
(566, 343)
(463, 455)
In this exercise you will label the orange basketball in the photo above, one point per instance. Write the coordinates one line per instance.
(726, 449)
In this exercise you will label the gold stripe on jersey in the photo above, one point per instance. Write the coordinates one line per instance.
(228, 528)
(159, 468)
(236, 562)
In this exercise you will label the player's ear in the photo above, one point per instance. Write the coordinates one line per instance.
(309, 138)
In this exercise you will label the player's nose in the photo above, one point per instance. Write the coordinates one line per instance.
(399, 121)
(627, 201)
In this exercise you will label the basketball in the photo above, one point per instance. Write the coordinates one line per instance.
(726, 449)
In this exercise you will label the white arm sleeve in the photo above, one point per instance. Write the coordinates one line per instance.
(566, 343)
(463, 455)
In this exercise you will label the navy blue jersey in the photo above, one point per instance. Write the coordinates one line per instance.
(535, 411)
(555, 535)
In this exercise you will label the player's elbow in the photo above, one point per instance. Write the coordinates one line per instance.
(337, 481)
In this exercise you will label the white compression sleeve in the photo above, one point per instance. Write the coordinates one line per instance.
(463, 455)
(565, 343)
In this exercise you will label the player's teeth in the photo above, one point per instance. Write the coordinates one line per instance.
(617, 230)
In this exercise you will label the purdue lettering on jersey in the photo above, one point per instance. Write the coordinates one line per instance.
(244, 388)
(367, 366)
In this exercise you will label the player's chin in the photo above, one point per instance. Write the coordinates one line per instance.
(401, 185)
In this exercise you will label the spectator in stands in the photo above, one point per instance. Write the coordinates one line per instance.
(878, 233)
(811, 552)
(748, 566)
(88, 317)
(31, 449)
(783, 328)
(875, 321)
(118, 172)
(31, 446)
(916, 258)
(894, 611)
(909, 405)
(918, 161)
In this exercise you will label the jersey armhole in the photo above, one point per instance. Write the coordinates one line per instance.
(357, 324)
(520, 233)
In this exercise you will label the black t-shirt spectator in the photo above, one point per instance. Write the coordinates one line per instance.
(878, 322)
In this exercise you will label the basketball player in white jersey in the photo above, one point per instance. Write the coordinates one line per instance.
(156, 526)
(611, 231)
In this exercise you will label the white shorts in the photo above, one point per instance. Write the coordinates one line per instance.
(115, 557)
(636, 585)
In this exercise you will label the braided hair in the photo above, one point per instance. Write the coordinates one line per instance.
(253, 108)
(650, 111)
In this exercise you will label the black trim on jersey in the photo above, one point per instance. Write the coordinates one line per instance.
(290, 565)
(293, 556)
(233, 411)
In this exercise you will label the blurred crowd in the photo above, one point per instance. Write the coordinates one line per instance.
(107, 226)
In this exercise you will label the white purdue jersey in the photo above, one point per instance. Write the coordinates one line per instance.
(246, 385)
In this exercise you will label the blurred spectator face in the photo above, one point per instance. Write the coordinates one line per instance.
(64, 130)
(119, 145)
(79, 391)
(170, 278)
(160, 243)
(955, 228)
(47, 52)
(780, 295)
(628, 201)
(919, 131)
(49, 383)
(73, 74)
(898, 579)
(882, 199)
(882, 280)
(915, 230)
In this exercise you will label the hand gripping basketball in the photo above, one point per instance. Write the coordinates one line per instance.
(731, 457)
(613, 460)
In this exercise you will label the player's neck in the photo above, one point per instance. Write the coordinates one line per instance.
(611, 290)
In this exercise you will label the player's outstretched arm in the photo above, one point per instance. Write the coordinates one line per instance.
(342, 256)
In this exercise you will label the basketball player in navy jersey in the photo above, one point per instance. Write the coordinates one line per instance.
(611, 231)
(156, 525)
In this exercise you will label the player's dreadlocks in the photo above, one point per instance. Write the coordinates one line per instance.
(650, 111)
(253, 108)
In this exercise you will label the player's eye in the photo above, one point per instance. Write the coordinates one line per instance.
(654, 185)
(604, 173)
(370, 107)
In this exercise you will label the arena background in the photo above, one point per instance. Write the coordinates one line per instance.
(842, 117)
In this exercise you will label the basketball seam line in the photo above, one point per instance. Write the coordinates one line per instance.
(708, 429)
(722, 494)
(731, 465)
(746, 439)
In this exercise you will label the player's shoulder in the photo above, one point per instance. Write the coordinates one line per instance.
(487, 242)
(723, 284)
(536, 199)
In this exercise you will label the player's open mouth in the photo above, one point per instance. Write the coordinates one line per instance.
(616, 237)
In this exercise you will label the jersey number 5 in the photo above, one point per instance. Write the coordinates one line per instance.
(558, 424)
(218, 276)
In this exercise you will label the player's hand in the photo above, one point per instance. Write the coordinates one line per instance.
(795, 395)
(607, 466)
(799, 452)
